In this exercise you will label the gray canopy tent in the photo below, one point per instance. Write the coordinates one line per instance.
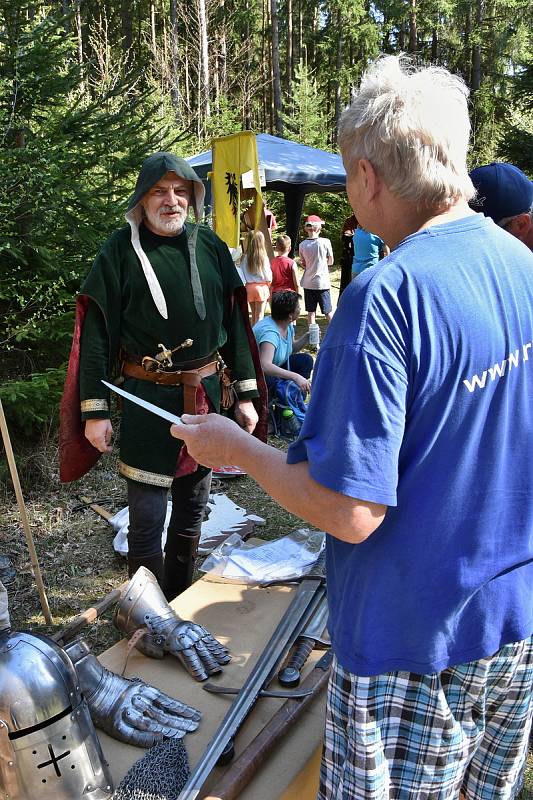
(292, 168)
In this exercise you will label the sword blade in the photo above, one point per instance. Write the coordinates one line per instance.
(145, 404)
(316, 628)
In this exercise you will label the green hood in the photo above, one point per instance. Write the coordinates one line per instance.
(157, 165)
(153, 168)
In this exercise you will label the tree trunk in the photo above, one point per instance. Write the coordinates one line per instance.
(79, 36)
(272, 128)
(203, 95)
(300, 33)
(187, 79)
(164, 57)
(290, 68)
(246, 100)
(412, 27)
(401, 38)
(174, 81)
(466, 63)
(264, 66)
(276, 76)
(152, 27)
(434, 46)
(65, 10)
(126, 13)
(476, 50)
(223, 52)
(246, 106)
(312, 48)
(337, 82)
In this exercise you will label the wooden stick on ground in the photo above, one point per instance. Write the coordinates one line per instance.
(100, 510)
(24, 517)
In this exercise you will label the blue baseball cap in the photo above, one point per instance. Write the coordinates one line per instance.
(503, 191)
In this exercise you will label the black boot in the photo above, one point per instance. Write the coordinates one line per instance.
(179, 565)
(153, 563)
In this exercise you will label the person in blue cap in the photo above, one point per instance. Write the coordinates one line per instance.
(505, 194)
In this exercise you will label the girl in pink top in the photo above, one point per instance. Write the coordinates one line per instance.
(255, 268)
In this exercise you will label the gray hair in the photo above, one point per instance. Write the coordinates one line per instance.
(412, 125)
(503, 223)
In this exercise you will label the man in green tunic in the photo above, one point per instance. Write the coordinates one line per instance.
(161, 285)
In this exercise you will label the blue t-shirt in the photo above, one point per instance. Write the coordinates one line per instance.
(366, 249)
(422, 400)
(266, 330)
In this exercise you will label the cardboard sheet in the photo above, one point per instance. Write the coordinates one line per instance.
(244, 619)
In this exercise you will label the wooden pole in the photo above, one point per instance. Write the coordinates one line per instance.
(25, 524)
(102, 512)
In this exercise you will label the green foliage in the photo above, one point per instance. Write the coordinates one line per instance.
(516, 143)
(306, 121)
(225, 120)
(68, 159)
(31, 402)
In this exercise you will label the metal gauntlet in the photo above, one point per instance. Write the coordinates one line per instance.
(143, 605)
(128, 709)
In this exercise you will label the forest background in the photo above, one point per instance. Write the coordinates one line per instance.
(88, 88)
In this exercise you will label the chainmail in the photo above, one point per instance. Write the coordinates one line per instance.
(160, 774)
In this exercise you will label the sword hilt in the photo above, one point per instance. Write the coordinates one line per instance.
(289, 675)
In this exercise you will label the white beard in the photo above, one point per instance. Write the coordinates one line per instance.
(158, 222)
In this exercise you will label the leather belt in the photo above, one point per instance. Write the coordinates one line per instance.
(190, 379)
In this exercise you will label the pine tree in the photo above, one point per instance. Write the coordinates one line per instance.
(306, 121)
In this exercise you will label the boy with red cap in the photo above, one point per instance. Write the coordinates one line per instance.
(316, 257)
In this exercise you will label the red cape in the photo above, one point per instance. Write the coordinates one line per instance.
(76, 453)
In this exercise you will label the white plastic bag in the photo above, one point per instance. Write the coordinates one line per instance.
(284, 559)
(4, 608)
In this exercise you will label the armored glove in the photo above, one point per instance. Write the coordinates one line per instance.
(143, 604)
(128, 709)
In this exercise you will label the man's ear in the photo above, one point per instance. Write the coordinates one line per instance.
(520, 226)
(371, 181)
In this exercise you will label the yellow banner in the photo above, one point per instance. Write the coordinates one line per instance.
(233, 155)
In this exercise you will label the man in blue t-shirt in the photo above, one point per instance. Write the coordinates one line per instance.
(415, 457)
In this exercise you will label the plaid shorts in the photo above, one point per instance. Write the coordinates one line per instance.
(403, 736)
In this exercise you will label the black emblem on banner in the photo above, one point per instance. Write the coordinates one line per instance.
(232, 190)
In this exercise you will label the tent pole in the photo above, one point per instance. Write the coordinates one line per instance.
(294, 203)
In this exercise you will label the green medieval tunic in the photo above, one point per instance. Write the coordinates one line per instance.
(122, 318)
